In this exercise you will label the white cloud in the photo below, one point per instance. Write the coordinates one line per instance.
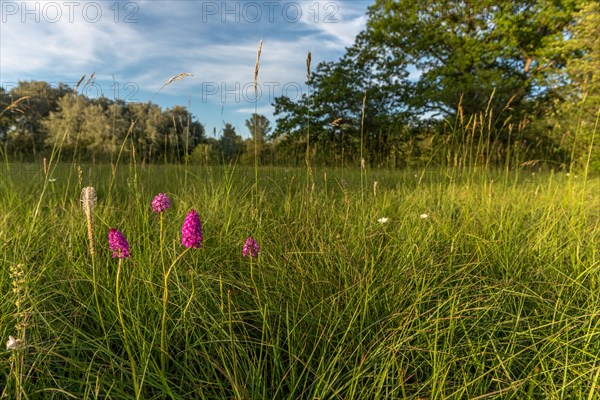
(250, 110)
(153, 53)
(153, 48)
(340, 20)
(64, 48)
(232, 65)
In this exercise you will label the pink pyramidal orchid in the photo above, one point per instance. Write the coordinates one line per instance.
(118, 244)
(191, 231)
(250, 248)
(161, 203)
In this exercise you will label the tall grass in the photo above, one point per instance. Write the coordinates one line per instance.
(482, 282)
(493, 295)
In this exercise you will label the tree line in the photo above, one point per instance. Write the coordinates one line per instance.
(47, 117)
(36, 117)
(426, 82)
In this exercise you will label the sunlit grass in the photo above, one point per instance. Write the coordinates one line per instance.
(493, 295)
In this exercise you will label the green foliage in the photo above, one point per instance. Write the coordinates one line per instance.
(512, 64)
(580, 93)
(259, 128)
(230, 146)
(332, 114)
(468, 49)
(23, 110)
(47, 118)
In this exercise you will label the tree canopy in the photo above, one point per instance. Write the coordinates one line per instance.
(420, 63)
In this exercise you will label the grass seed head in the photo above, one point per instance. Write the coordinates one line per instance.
(88, 202)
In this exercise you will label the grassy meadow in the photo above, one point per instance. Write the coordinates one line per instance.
(481, 284)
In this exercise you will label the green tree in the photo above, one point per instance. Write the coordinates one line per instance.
(345, 103)
(101, 128)
(230, 145)
(504, 62)
(466, 49)
(21, 127)
(578, 106)
(259, 128)
(145, 121)
(178, 133)
(65, 126)
(82, 127)
(5, 120)
(105, 127)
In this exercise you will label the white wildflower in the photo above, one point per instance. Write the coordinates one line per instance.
(13, 343)
(383, 220)
(423, 216)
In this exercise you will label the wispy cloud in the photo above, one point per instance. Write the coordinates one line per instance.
(339, 20)
(136, 44)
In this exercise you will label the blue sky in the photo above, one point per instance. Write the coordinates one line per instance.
(134, 47)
